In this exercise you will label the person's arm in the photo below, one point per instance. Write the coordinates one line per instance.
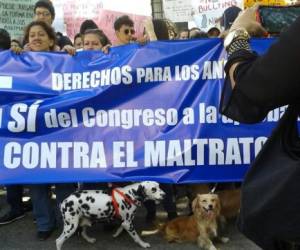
(149, 28)
(262, 83)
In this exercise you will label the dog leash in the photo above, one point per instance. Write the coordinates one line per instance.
(115, 203)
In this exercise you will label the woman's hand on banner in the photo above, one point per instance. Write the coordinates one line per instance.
(106, 48)
(17, 50)
(69, 49)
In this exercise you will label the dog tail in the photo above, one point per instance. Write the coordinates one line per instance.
(150, 232)
(160, 227)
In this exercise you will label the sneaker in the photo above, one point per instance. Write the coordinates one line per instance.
(9, 218)
(44, 235)
(27, 206)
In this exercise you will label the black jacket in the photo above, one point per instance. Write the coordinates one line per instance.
(264, 82)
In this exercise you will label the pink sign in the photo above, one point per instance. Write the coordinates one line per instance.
(103, 18)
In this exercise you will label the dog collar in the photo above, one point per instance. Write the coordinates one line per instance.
(115, 203)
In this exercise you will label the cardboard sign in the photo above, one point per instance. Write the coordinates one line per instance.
(15, 15)
(75, 13)
(71, 13)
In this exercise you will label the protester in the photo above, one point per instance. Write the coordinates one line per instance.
(242, 60)
(184, 34)
(172, 30)
(158, 29)
(63, 41)
(44, 11)
(161, 29)
(15, 43)
(88, 24)
(14, 192)
(197, 33)
(4, 39)
(78, 43)
(41, 37)
(229, 15)
(213, 32)
(94, 39)
(256, 84)
(124, 30)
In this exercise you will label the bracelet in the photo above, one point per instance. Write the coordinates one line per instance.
(238, 44)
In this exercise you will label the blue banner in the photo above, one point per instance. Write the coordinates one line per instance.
(138, 113)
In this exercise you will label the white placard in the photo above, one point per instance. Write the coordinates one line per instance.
(178, 10)
(206, 13)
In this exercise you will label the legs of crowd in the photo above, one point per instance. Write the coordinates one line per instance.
(14, 197)
(169, 204)
(43, 210)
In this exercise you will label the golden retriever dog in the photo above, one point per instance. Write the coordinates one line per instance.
(201, 227)
(230, 199)
(207, 208)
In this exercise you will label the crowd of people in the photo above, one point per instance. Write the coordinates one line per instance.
(39, 35)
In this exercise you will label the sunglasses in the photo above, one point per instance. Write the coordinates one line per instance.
(127, 31)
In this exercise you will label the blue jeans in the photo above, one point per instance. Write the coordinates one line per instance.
(43, 209)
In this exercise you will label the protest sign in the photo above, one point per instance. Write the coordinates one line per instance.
(138, 113)
(207, 13)
(15, 15)
(178, 10)
(71, 13)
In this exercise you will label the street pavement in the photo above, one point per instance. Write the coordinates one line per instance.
(21, 235)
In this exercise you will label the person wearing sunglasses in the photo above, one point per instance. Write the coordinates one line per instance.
(124, 30)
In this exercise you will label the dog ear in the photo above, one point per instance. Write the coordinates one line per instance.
(195, 204)
(141, 193)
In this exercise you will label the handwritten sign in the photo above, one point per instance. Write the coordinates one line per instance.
(178, 10)
(15, 15)
(104, 19)
(206, 13)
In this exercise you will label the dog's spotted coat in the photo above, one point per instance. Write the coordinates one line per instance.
(80, 207)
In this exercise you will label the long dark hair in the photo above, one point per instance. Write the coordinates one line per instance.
(49, 30)
(102, 37)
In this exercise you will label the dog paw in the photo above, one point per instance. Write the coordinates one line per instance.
(91, 240)
(224, 239)
(212, 248)
(145, 245)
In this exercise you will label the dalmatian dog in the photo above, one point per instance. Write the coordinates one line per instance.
(81, 206)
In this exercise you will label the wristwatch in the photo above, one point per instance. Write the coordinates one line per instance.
(237, 34)
(237, 40)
